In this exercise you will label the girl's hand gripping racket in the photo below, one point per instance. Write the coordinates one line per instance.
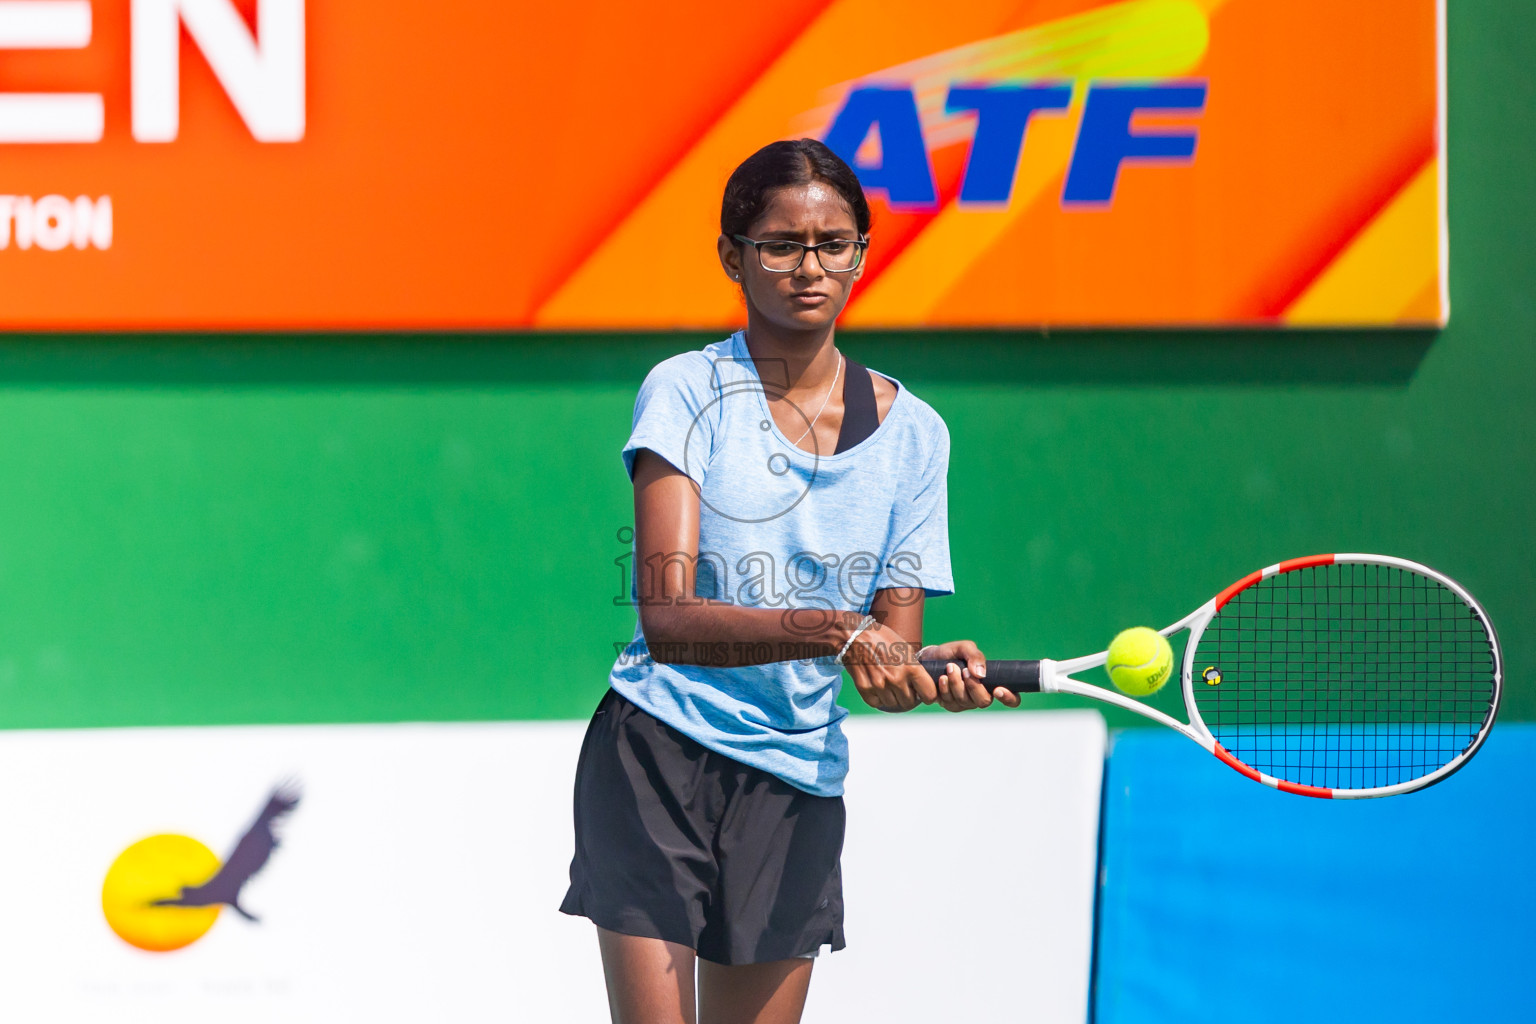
(1338, 676)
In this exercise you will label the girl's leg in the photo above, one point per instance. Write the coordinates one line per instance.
(771, 993)
(650, 981)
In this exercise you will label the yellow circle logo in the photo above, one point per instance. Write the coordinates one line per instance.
(151, 870)
(165, 892)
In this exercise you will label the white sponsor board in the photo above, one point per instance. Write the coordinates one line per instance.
(419, 876)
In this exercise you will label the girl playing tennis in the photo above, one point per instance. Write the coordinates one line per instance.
(790, 519)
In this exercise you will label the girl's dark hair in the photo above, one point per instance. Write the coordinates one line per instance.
(782, 165)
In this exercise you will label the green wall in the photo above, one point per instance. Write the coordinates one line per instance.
(321, 528)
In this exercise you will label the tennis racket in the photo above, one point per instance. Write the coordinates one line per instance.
(1336, 676)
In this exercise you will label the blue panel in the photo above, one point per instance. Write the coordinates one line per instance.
(1226, 901)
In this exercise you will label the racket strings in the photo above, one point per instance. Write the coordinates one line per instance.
(1346, 676)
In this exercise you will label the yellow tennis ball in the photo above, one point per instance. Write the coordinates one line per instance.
(1140, 661)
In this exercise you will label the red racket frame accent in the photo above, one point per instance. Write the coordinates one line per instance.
(1254, 577)
(1302, 563)
(1257, 776)
(1242, 584)
(1234, 763)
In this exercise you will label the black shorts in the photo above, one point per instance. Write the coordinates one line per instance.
(675, 841)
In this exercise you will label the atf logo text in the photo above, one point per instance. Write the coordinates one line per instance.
(1107, 138)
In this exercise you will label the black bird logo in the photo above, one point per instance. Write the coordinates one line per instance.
(249, 856)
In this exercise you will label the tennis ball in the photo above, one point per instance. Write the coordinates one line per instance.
(1140, 661)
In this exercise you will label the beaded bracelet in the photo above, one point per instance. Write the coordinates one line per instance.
(869, 620)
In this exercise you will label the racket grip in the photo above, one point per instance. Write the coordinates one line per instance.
(1018, 676)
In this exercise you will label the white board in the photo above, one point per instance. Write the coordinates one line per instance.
(418, 879)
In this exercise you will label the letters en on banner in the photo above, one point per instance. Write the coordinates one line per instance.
(272, 164)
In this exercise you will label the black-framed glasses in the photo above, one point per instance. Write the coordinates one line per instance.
(781, 256)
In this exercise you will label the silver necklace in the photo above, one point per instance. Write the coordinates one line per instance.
(835, 374)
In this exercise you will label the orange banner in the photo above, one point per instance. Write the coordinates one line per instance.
(174, 164)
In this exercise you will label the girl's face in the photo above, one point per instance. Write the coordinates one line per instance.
(808, 298)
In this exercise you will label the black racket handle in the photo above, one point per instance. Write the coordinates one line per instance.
(1018, 676)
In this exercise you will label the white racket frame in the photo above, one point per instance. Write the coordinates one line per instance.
(1056, 677)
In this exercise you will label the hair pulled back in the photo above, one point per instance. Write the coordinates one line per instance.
(781, 165)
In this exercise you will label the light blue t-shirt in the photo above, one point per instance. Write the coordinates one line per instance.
(783, 528)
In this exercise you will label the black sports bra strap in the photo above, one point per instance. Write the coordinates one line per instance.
(860, 416)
